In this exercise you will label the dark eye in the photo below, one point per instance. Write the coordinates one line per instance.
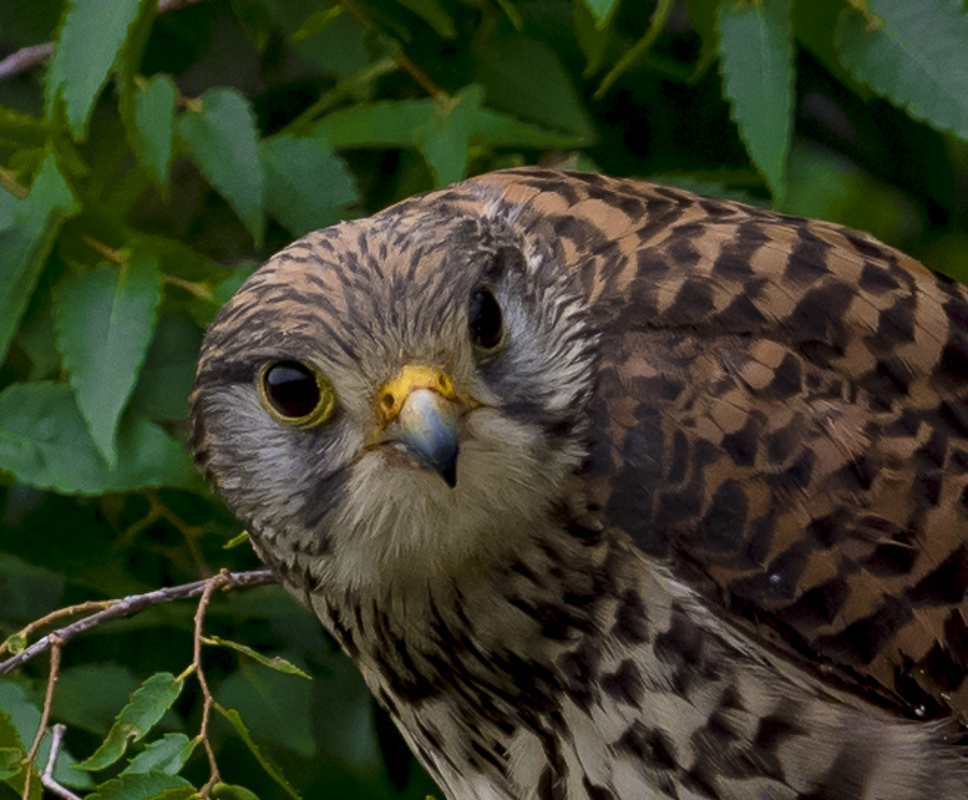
(485, 321)
(296, 393)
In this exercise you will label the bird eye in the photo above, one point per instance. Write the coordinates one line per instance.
(485, 321)
(295, 394)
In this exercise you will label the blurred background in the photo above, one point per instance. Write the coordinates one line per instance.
(152, 154)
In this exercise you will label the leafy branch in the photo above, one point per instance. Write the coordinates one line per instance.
(117, 609)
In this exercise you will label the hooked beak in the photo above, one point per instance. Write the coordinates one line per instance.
(420, 411)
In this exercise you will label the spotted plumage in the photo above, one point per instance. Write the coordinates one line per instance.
(621, 493)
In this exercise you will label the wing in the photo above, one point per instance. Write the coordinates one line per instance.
(781, 414)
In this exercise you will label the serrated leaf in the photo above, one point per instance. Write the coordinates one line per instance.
(277, 663)
(105, 318)
(443, 142)
(144, 786)
(148, 704)
(222, 139)
(306, 183)
(915, 55)
(154, 118)
(90, 39)
(28, 228)
(235, 720)
(167, 754)
(225, 791)
(756, 60)
(44, 442)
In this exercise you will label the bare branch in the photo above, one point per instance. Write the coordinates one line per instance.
(25, 58)
(47, 777)
(134, 604)
(53, 616)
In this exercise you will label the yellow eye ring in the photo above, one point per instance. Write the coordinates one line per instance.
(295, 394)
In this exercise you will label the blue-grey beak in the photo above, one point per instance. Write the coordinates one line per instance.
(420, 408)
(427, 425)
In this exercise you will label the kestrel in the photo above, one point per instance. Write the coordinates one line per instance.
(614, 492)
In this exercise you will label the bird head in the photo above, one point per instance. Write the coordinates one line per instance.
(396, 395)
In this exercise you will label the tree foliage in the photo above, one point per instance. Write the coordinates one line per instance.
(166, 148)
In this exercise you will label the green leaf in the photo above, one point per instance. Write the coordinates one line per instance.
(169, 369)
(20, 130)
(19, 718)
(88, 696)
(386, 123)
(593, 38)
(144, 786)
(640, 49)
(154, 116)
(271, 769)
(434, 14)
(28, 228)
(501, 130)
(225, 791)
(756, 60)
(316, 23)
(27, 591)
(167, 754)
(914, 54)
(10, 758)
(11, 748)
(235, 541)
(105, 318)
(151, 700)
(277, 663)
(91, 37)
(222, 139)
(407, 123)
(279, 709)
(306, 183)
(602, 10)
(45, 443)
(524, 77)
(443, 142)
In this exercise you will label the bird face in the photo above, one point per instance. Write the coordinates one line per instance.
(390, 397)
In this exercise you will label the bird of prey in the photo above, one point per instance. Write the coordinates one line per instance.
(614, 492)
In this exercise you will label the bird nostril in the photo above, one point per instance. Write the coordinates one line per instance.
(444, 383)
(387, 401)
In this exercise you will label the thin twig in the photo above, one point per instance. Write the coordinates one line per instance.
(53, 616)
(25, 58)
(47, 777)
(132, 605)
(207, 700)
(29, 57)
(56, 644)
